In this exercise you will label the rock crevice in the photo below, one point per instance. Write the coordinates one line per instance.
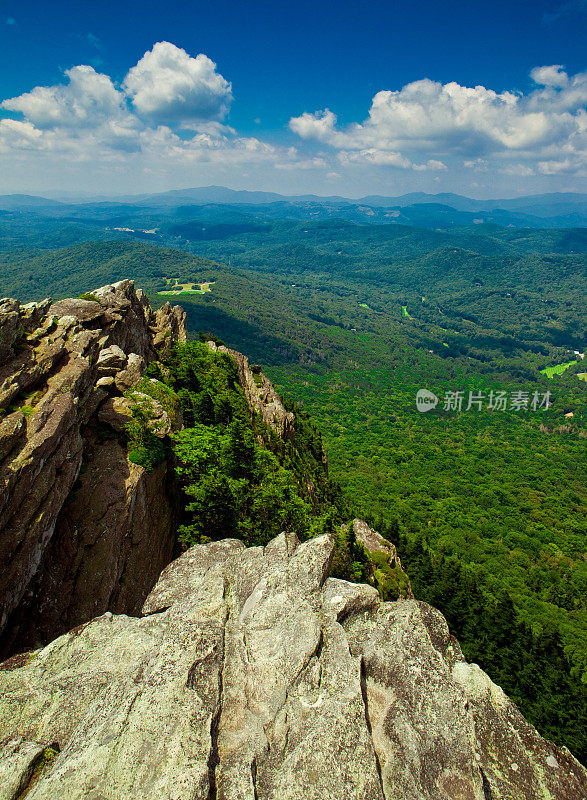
(81, 529)
(241, 682)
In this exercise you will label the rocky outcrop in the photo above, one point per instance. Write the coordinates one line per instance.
(373, 541)
(253, 676)
(264, 401)
(60, 365)
(117, 411)
(261, 395)
(385, 567)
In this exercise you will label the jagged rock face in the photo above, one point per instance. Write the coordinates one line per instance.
(59, 363)
(111, 540)
(254, 677)
(374, 542)
(265, 401)
(261, 396)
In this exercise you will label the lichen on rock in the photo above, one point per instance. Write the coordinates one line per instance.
(252, 675)
(63, 365)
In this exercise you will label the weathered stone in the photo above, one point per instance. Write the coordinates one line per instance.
(116, 412)
(47, 353)
(33, 313)
(260, 394)
(12, 430)
(373, 543)
(133, 325)
(109, 545)
(253, 677)
(129, 377)
(47, 324)
(17, 761)
(371, 540)
(10, 328)
(169, 325)
(111, 359)
(82, 310)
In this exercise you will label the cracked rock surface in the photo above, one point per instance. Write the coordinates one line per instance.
(253, 676)
(63, 364)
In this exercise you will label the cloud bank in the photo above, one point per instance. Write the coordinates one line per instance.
(425, 123)
(165, 124)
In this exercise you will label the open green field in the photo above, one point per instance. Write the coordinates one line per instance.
(558, 369)
(187, 288)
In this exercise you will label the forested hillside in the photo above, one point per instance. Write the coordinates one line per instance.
(488, 505)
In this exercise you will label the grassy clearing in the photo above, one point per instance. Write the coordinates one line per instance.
(558, 369)
(405, 312)
(187, 288)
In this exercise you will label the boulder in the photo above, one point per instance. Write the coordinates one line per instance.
(132, 374)
(253, 676)
(81, 310)
(111, 360)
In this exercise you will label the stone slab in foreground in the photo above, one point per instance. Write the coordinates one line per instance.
(254, 677)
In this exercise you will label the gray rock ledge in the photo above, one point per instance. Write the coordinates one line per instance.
(251, 676)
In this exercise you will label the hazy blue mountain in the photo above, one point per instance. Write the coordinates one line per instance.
(10, 202)
(540, 205)
(550, 204)
(220, 194)
(555, 210)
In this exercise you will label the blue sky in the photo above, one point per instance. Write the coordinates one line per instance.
(346, 97)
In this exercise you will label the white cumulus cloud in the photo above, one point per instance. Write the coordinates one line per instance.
(165, 118)
(89, 98)
(167, 121)
(448, 120)
(554, 75)
(168, 85)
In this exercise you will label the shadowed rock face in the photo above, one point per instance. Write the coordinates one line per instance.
(254, 677)
(69, 556)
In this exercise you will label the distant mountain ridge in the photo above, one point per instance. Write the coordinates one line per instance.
(541, 205)
(546, 205)
(15, 201)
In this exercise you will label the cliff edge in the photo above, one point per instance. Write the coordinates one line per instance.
(70, 499)
(229, 673)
